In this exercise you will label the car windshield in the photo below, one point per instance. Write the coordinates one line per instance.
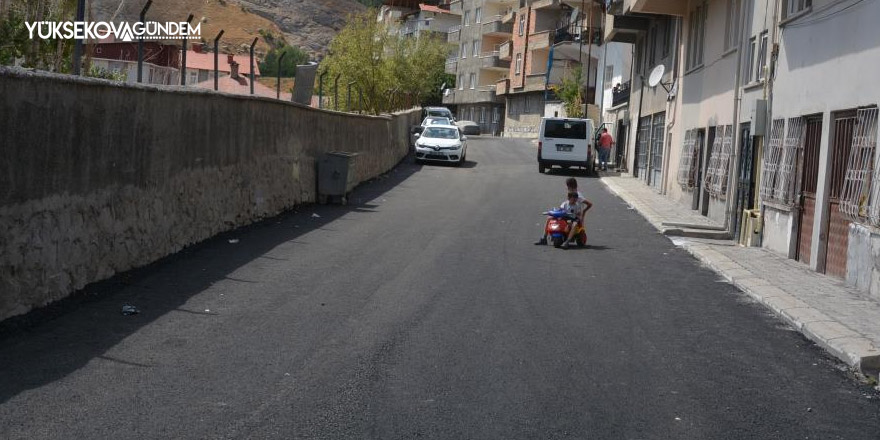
(440, 133)
(439, 113)
(435, 121)
(565, 129)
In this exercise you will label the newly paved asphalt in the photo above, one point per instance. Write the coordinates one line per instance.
(423, 310)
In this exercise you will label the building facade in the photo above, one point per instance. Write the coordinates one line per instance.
(477, 61)
(762, 119)
(551, 41)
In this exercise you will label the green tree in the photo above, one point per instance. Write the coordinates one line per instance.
(15, 44)
(293, 56)
(389, 71)
(571, 92)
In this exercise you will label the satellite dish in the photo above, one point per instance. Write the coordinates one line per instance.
(656, 75)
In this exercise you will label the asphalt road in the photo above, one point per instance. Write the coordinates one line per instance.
(423, 310)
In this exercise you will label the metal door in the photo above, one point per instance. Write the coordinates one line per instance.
(620, 145)
(657, 137)
(745, 189)
(838, 225)
(644, 139)
(809, 177)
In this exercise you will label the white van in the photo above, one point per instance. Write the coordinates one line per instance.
(566, 142)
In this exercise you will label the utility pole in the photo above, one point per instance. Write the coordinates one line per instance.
(217, 60)
(78, 44)
(143, 15)
(183, 55)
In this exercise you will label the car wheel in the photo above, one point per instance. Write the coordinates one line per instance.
(418, 161)
(541, 168)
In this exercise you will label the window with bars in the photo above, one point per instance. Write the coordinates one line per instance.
(643, 142)
(772, 156)
(686, 163)
(860, 197)
(719, 163)
(784, 187)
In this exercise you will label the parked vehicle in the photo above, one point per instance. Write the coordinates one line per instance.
(566, 142)
(469, 128)
(431, 120)
(558, 228)
(442, 112)
(441, 143)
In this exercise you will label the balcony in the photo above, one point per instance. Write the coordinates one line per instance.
(624, 28)
(502, 87)
(540, 40)
(508, 16)
(535, 83)
(544, 4)
(620, 94)
(481, 94)
(493, 26)
(451, 65)
(491, 60)
(453, 35)
(505, 51)
(658, 7)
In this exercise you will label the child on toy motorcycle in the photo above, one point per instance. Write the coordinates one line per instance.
(571, 186)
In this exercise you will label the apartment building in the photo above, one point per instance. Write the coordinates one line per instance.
(764, 121)
(477, 61)
(412, 18)
(552, 39)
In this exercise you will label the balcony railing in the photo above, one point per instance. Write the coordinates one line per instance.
(620, 94)
(540, 40)
(505, 50)
(453, 34)
(573, 33)
(451, 65)
(491, 60)
(494, 26)
(502, 86)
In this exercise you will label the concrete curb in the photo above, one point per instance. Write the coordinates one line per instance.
(849, 346)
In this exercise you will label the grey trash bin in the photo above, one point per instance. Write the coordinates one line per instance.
(336, 176)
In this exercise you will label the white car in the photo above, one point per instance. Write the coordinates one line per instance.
(441, 143)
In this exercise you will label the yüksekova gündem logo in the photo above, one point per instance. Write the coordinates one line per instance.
(124, 31)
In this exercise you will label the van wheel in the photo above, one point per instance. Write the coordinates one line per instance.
(541, 168)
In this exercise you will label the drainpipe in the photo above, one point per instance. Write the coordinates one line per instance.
(670, 122)
(78, 44)
(216, 62)
(768, 93)
(252, 64)
(733, 177)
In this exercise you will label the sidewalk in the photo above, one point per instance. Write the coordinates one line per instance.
(837, 317)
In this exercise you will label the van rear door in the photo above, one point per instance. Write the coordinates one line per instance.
(566, 140)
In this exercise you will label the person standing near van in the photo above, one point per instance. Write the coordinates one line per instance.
(605, 143)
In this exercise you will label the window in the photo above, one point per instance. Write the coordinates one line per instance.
(762, 58)
(795, 7)
(731, 36)
(478, 15)
(719, 163)
(467, 18)
(518, 63)
(749, 61)
(668, 28)
(460, 81)
(687, 164)
(476, 50)
(772, 157)
(696, 36)
(473, 81)
(522, 24)
(565, 129)
(784, 187)
(463, 50)
(861, 187)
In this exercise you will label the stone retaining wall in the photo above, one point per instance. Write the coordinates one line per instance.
(99, 177)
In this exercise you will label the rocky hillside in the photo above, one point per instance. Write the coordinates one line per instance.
(309, 24)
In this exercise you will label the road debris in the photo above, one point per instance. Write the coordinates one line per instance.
(233, 240)
(128, 310)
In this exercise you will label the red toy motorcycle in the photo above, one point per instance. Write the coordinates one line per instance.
(558, 228)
